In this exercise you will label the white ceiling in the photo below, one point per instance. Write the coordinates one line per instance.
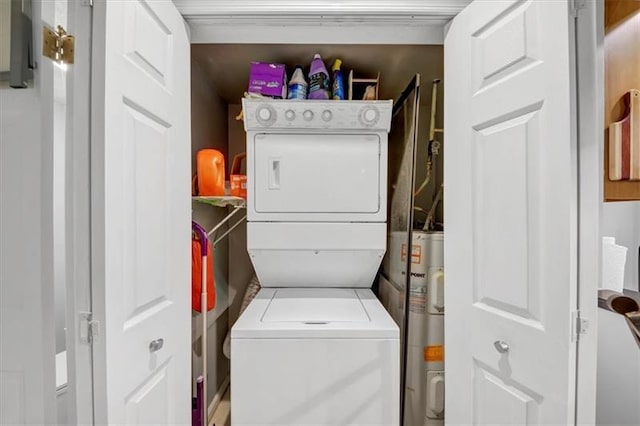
(228, 64)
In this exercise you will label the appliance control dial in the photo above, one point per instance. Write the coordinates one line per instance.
(266, 115)
(327, 115)
(369, 115)
(308, 115)
(290, 114)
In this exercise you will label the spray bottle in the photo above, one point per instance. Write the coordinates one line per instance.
(318, 79)
(338, 81)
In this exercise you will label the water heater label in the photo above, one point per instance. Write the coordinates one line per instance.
(434, 353)
(418, 300)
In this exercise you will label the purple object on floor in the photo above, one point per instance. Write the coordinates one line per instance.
(197, 414)
(268, 80)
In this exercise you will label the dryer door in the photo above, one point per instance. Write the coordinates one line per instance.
(336, 176)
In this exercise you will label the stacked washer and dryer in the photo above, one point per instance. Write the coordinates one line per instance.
(316, 346)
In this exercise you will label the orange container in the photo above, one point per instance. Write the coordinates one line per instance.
(210, 172)
(238, 181)
(196, 276)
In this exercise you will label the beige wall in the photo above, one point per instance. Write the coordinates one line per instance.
(5, 31)
(209, 130)
(240, 267)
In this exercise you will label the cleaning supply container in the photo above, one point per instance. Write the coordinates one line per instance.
(338, 81)
(268, 80)
(210, 173)
(238, 180)
(298, 86)
(318, 79)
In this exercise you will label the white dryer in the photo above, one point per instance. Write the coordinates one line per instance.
(316, 346)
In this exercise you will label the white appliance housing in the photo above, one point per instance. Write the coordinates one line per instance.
(316, 191)
(315, 357)
(316, 346)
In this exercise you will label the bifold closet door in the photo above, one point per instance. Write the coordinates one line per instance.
(510, 214)
(141, 217)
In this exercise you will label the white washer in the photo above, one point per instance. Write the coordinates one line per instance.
(315, 357)
(316, 347)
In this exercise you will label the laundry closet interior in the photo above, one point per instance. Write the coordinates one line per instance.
(219, 79)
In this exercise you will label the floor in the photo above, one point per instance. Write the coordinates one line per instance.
(222, 415)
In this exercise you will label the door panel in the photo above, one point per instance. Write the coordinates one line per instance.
(141, 186)
(321, 173)
(510, 214)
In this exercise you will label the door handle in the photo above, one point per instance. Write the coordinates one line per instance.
(436, 396)
(156, 345)
(438, 290)
(274, 173)
(501, 346)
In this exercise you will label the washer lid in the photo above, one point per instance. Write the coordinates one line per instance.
(314, 313)
(311, 306)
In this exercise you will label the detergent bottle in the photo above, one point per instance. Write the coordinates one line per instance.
(298, 85)
(338, 81)
(318, 79)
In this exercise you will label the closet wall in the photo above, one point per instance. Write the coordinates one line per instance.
(209, 130)
(436, 70)
(240, 267)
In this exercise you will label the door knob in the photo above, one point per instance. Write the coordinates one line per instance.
(501, 346)
(156, 345)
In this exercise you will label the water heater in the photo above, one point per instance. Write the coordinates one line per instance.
(424, 390)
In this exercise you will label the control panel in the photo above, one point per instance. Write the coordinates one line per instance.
(262, 114)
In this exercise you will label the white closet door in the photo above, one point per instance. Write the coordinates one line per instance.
(510, 214)
(141, 213)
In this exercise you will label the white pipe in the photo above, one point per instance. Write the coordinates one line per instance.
(432, 135)
(432, 211)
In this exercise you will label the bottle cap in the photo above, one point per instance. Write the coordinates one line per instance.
(336, 65)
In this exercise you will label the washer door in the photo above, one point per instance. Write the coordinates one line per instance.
(317, 173)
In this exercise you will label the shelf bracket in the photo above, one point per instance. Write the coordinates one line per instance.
(234, 226)
(235, 211)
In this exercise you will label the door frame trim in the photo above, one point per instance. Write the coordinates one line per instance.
(78, 215)
(590, 128)
(589, 53)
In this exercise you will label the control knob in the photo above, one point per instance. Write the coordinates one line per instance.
(308, 115)
(290, 114)
(266, 115)
(369, 115)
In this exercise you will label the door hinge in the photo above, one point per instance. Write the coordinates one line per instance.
(580, 325)
(576, 6)
(89, 328)
(87, 3)
(58, 45)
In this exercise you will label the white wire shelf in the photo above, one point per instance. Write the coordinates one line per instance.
(222, 201)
